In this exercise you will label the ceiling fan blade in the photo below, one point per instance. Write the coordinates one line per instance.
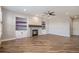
(52, 12)
(45, 13)
(72, 17)
(49, 13)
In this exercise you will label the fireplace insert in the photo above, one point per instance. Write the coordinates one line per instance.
(34, 32)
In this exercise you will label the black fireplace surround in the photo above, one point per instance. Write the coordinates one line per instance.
(35, 32)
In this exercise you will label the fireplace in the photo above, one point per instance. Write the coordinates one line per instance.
(35, 32)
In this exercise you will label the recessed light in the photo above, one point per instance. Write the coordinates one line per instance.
(24, 9)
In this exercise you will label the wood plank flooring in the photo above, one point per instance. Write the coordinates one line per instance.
(42, 44)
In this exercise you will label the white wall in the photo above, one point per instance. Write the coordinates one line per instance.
(75, 27)
(59, 26)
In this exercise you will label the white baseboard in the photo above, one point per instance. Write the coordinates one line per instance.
(60, 35)
(8, 39)
(11, 39)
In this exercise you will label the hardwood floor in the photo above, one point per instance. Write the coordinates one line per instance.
(45, 43)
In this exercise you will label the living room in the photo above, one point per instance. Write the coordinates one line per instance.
(39, 25)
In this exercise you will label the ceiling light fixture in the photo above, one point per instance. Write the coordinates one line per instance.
(24, 9)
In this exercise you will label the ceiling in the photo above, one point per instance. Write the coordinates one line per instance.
(59, 10)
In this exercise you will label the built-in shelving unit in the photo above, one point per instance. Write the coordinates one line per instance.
(43, 24)
(21, 27)
(21, 23)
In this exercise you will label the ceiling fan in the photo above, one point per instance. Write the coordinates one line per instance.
(50, 13)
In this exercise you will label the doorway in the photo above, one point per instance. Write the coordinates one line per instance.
(74, 27)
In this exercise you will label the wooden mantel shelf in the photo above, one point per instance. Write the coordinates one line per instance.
(35, 25)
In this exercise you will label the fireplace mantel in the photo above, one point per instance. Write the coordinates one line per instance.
(35, 25)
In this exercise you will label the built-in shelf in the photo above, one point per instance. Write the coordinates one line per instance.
(35, 25)
(43, 25)
(21, 23)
